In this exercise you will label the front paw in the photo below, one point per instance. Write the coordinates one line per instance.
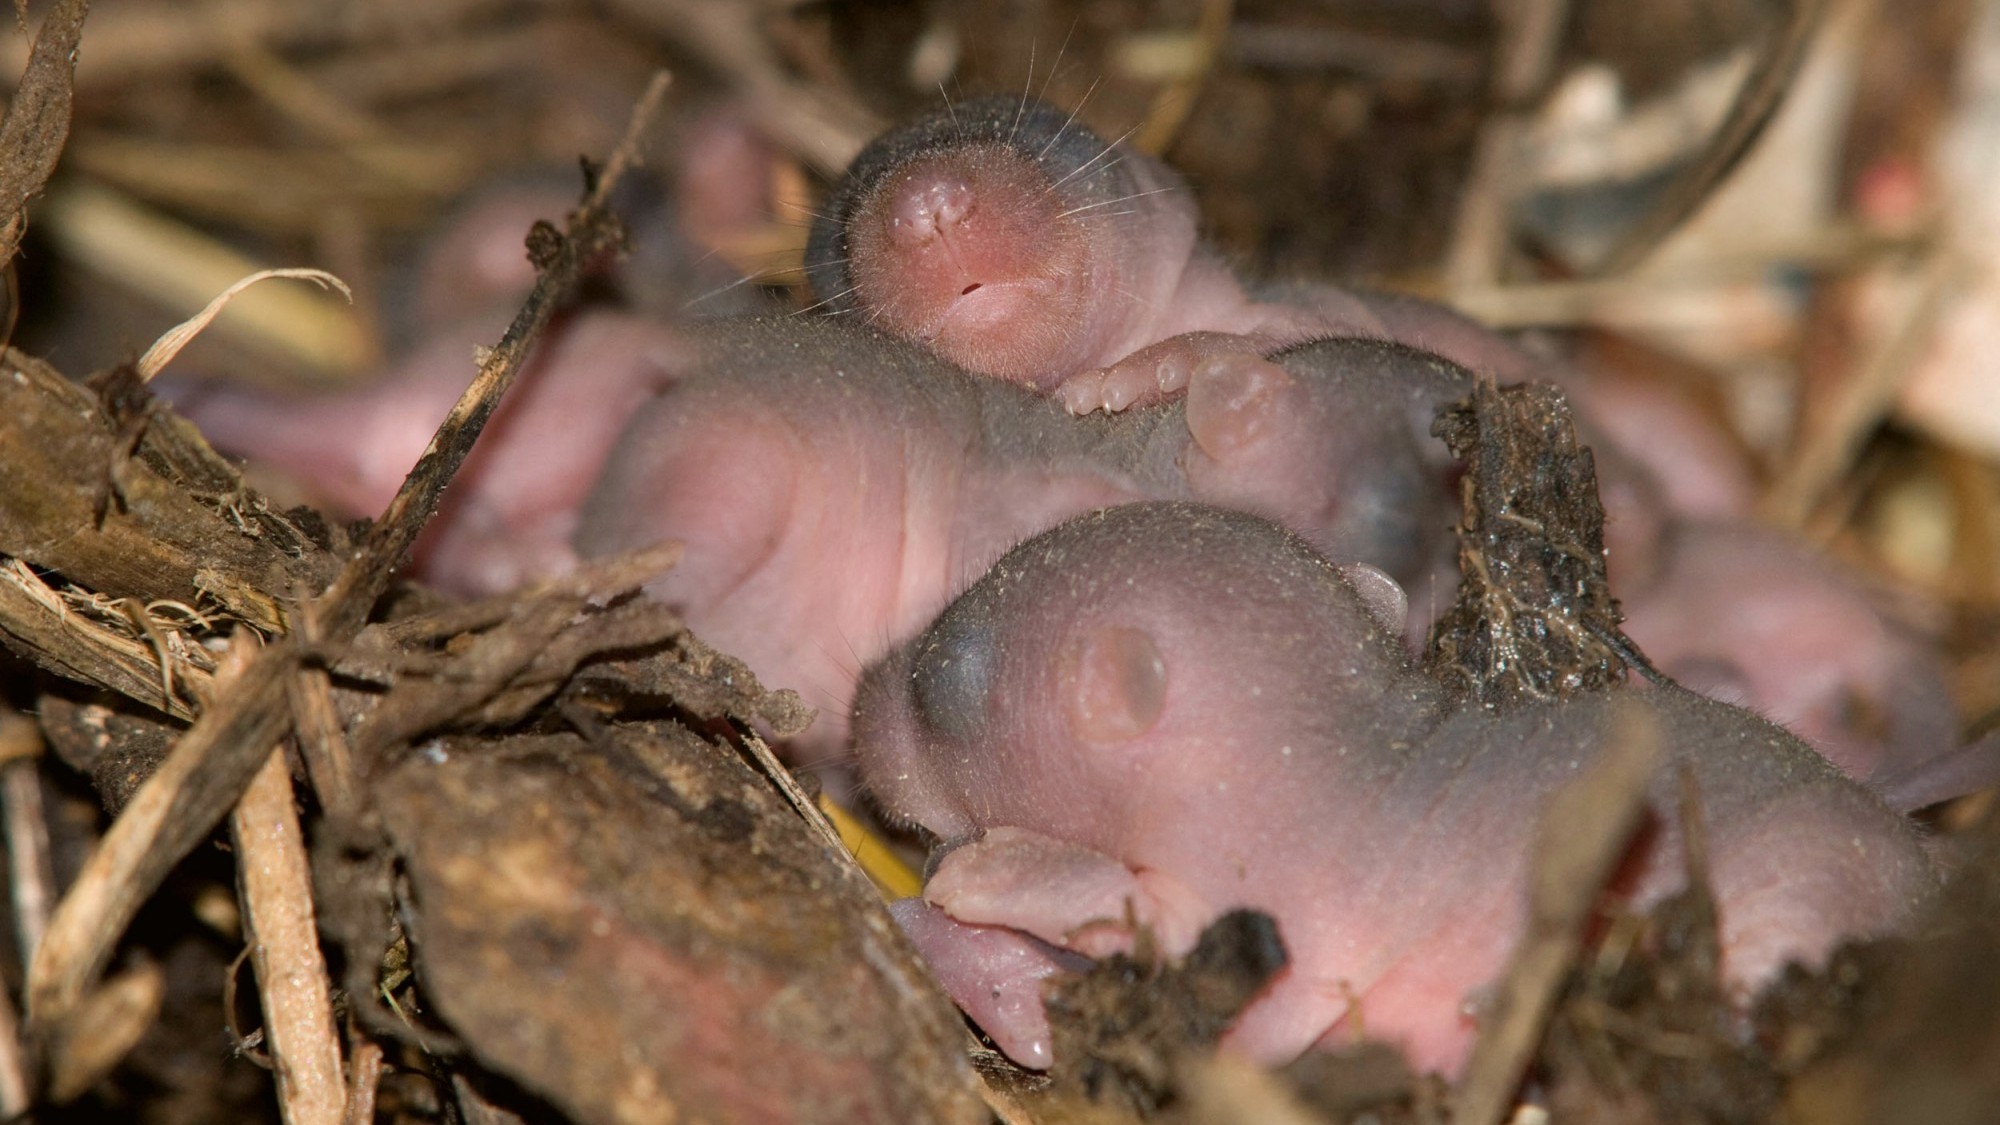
(1050, 888)
(1152, 374)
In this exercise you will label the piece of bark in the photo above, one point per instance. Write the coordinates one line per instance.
(107, 740)
(703, 682)
(81, 504)
(38, 626)
(37, 120)
(1534, 619)
(210, 767)
(496, 676)
(636, 928)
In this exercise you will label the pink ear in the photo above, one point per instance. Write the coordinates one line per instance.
(1114, 684)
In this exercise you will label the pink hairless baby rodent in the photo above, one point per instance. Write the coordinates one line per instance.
(835, 487)
(1012, 240)
(1867, 693)
(1161, 712)
(1328, 438)
(1015, 242)
(744, 439)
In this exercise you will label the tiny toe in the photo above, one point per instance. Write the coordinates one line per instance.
(1083, 392)
(1120, 393)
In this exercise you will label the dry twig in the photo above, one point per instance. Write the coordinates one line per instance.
(1585, 830)
(212, 764)
(28, 871)
(284, 947)
(364, 1067)
(275, 880)
(1864, 398)
(37, 120)
(1757, 101)
(1527, 53)
(29, 875)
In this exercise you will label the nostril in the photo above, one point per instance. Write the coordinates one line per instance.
(968, 289)
(929, 203)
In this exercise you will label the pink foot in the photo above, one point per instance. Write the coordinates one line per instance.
(1151, 374)
(992, 972)
(1236, 402)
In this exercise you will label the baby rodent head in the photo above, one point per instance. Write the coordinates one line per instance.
(1110, 672)
(998, 231)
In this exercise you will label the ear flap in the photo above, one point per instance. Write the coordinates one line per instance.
(1114, 684)
(1384, 600)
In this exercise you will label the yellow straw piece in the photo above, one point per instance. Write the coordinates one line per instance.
(179, 267)
(892, 876)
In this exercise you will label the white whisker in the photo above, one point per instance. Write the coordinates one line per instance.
(1070, 120)
(817, 305)
(1108, 150)
(1111, 202)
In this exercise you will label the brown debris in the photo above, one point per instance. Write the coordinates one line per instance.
(1366, 1082)
(276, 883)
(1647, 1031)
(1585, 830)
(635, 927)
(37, 120)
(1534, 619)
(133, 513)
(1902, 1030)
(95, 1035)
(108, 739)
(1123, 1029)
(209, 768)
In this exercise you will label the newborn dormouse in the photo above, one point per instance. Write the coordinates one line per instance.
(1158, 713)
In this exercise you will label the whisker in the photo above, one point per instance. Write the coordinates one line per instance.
(1110, 202)
(739, 283)
(1108, 150)
(1057, 65)
(950, 109)
(816, 305)
(1015, 129)
(799, 209)
(1070, 120)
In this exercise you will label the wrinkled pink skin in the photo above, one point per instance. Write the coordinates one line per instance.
(511, 511)
(1184, 326)
(835, 487)
(1011, 240)
(1788, 632)
(1164, 712)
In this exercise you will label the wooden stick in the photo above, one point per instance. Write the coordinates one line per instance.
(1586, 828)
(364, 1075)
(28, 868)
(274, 876)
(213, 763)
